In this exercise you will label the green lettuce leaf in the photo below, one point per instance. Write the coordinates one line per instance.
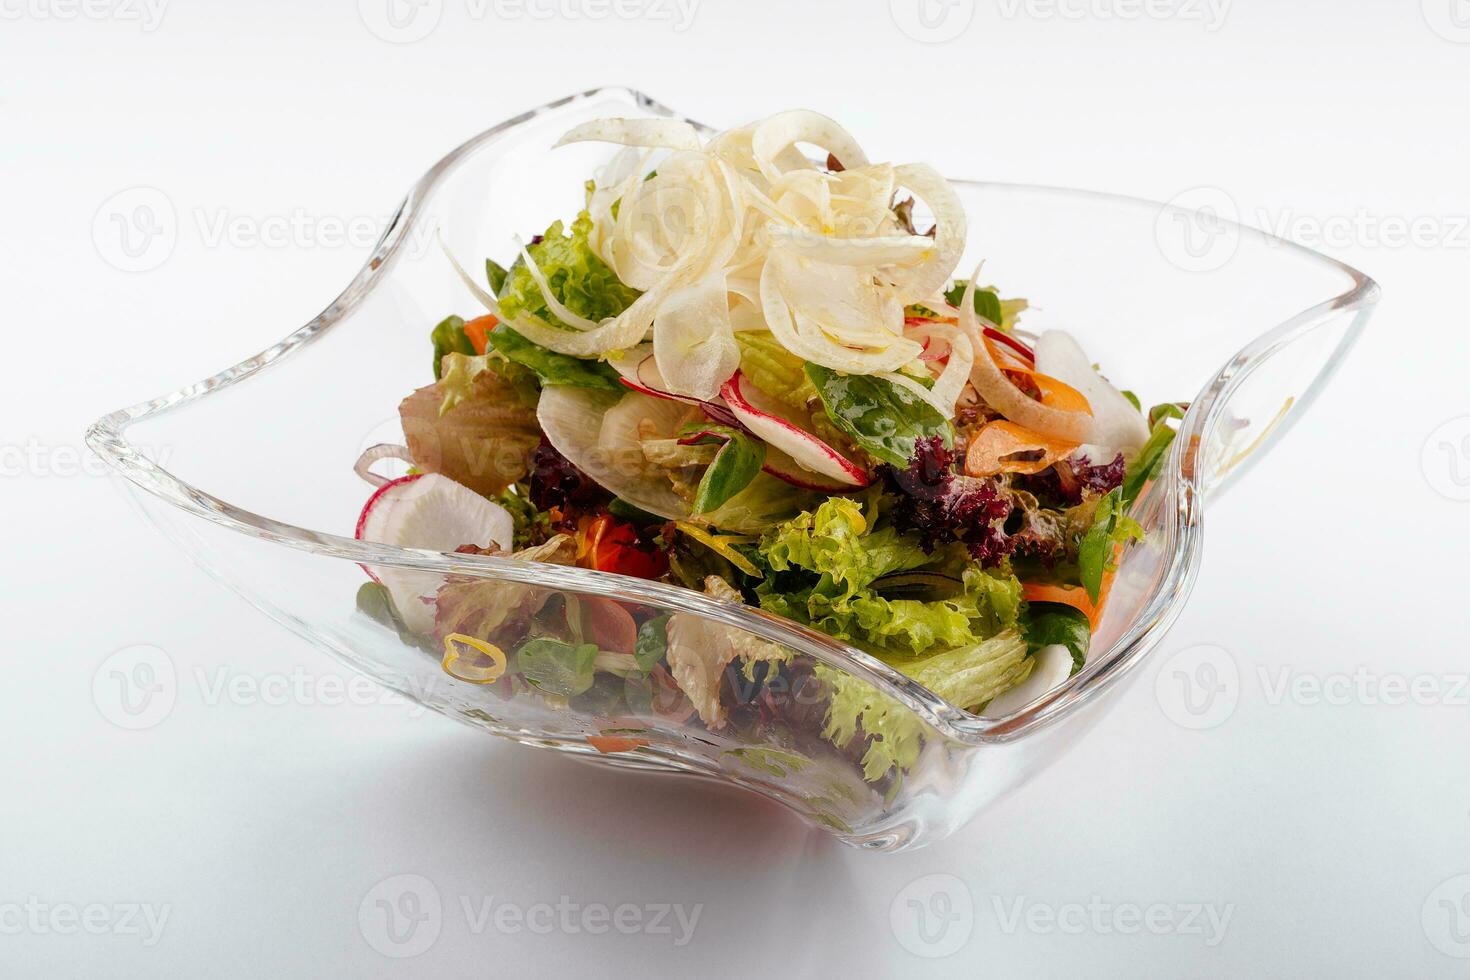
(581, 280)
(774, 370)
(881, 417)
(558, 668)
(652, 642)
(449, 338)
(827, 561)
(549, 366)
(895, 734)
(1002, 312)
(971, 676)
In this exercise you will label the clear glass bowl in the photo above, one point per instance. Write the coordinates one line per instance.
(1174, 304)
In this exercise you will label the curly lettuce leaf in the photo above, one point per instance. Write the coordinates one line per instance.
(827, 561)
(971, 676)
(581, 280)
(895, 734)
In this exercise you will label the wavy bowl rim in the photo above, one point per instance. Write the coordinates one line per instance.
(1179, 495)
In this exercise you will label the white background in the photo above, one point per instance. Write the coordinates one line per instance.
(1330, 834)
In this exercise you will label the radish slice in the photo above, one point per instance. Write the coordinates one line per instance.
(383, 450)
(434, 513)
(1053, 666)
(809, 452)
(644, 378)
(787, 470)
(598, 432)
(1117, 427)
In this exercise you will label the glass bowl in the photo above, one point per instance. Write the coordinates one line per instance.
(1174, 304)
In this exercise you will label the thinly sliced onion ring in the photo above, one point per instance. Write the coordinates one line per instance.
(773, 140)
(950, 228)
(673, 134)
(1006, 398)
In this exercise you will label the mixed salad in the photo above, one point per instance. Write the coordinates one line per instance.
(753, 374)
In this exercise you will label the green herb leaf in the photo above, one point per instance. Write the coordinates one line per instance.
(1132, 399)
(553, 368)
(555, 667)
(621, 508)
(495, 273)
(449, 338)
(652, 643)
(1111, 526)
(735, 466)
(1048, 623)
(1149, 462)
(987, 301)
(881, 417)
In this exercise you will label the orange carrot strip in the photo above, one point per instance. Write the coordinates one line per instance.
(478, 329)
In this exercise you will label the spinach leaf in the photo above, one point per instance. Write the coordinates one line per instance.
(449, 338)
(553, 368)
(735, 466)
(1049, 623)
(881, 417)
(555, 667)
(987, 301)
(652, 643)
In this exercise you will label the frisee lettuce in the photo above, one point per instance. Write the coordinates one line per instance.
(581, 280)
